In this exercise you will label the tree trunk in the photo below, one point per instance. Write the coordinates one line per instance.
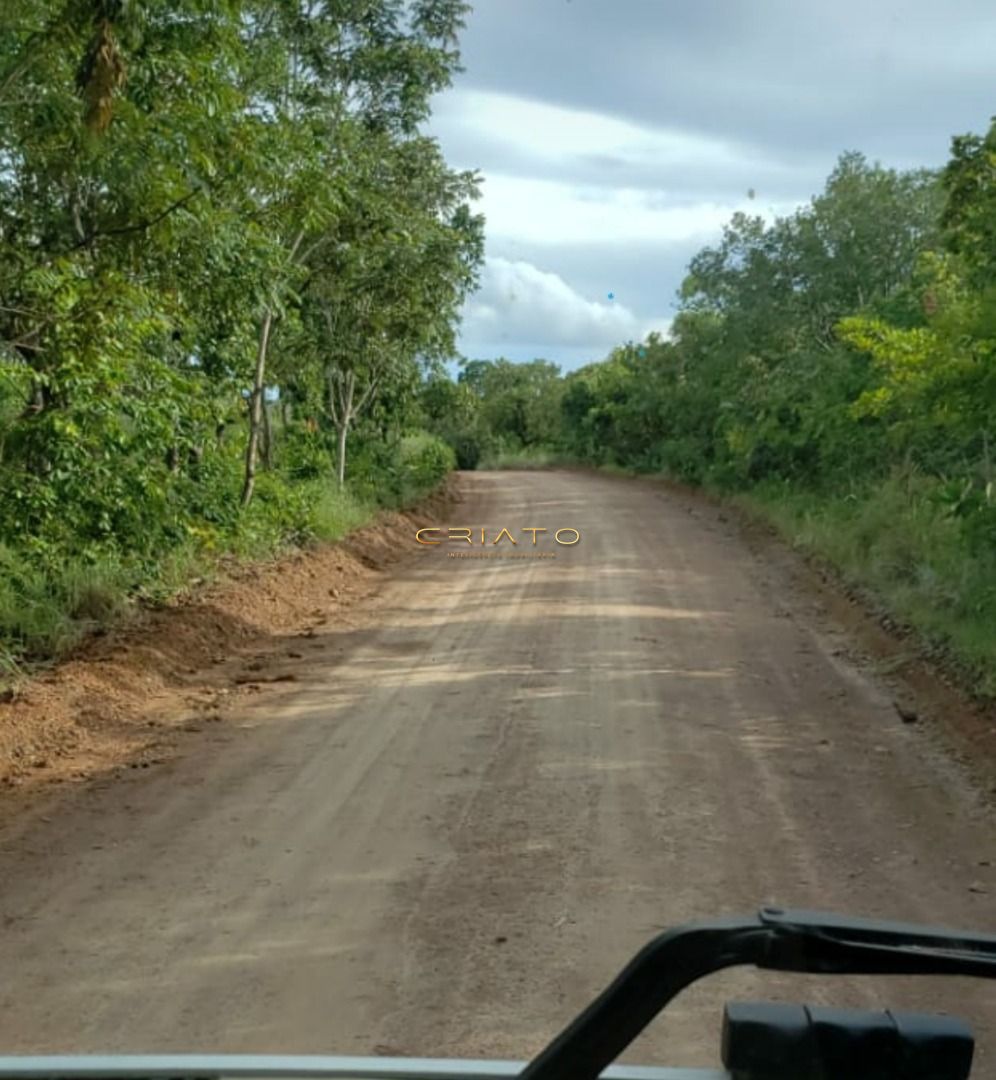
(267, 435)
(256, 410)
(345, 418)
(341, 457)
(256, 402)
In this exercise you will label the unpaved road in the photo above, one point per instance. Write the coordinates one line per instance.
(481, 798)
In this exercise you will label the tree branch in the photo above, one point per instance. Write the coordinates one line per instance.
(348, 410)
(23, 344)
(139, 226)
(309, 251)
(297, 243)
(333, 411)
(368, 393)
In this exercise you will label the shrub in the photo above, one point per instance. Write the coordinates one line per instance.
(425, 460)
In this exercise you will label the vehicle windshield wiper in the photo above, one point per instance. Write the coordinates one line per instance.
(774, 940)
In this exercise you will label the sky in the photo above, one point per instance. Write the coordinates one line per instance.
(616, 137)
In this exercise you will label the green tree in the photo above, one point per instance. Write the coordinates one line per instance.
(969, 217)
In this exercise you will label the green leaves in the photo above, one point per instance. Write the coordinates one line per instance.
(177, 175)
(969, 217)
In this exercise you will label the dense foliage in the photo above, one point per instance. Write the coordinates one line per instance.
(838, 366)
(225, 245)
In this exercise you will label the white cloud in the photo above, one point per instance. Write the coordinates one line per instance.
(552, 132)
(564, 174)
(546, 211)
(520, 304)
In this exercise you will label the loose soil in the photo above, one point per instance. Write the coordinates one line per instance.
(125, 698)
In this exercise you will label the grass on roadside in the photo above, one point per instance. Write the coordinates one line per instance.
(894, 541)
(529, 457)
(46, 611)
(899, 544)
(56, 589)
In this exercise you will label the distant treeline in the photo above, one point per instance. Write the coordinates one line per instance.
(837, 367)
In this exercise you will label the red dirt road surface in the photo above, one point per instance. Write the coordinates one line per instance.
(483, 792)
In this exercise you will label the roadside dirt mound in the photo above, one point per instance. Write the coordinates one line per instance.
(115, 700)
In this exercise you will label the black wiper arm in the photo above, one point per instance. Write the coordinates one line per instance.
(829, 944)
(775, 940)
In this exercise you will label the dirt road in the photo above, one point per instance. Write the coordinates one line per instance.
(482, 797)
